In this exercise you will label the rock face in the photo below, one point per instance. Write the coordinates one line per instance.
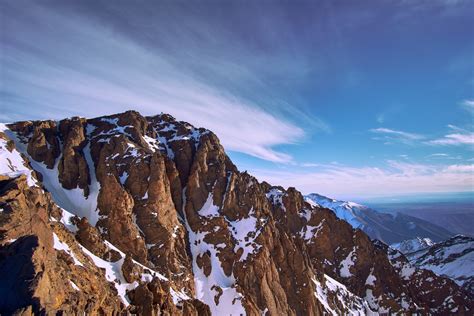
(148, 215)
(42, 268)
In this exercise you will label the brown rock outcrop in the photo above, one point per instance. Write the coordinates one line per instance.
(34, 275)
(73, 169)
(43, 145)
(131, 272)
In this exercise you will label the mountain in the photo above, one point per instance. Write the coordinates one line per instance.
(453, 258)
(386, 227)
(126, 214)
(455, 216)
(413, 246)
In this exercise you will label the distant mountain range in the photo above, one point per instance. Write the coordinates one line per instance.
(456, 216)
(389, 228)
(453, 258)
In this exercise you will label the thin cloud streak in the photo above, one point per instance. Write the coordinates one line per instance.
(401, 134)
(468, 105)
(460, 136)
(454, 139)
(443, 156)
(389, 136)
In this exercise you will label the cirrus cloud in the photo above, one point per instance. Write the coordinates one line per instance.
(468, 105)
(454, 139)
(390, 135)
(459, 136)
(57, 65)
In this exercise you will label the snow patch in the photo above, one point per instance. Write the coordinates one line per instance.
(229, 302)
(346, 264)
(245, 232)
(407, 271)
(336, 299)
(178, 296)
(123, 177)
(275, 195)
(209, 209)
(453, 258)
(413, 245)
(348, 211)
(308, 231)
(12, 163)
(59, 245)
(370, 279)
(153, 144)
(73, 201)
(74, 286)
(113, 272)
(66, 221)
(306, 214)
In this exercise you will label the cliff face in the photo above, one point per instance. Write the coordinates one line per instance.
(148, 214)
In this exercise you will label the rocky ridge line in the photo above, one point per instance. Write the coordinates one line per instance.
(161, 206)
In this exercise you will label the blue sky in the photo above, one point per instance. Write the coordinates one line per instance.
(352, 99)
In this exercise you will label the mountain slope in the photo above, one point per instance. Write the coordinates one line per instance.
(453, 258)
(386, 227)
(413, 248)
(148, 215)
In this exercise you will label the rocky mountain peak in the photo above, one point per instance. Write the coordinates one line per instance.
(149, 214)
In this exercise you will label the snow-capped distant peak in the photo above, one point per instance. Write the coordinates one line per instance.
(453, 258)
(348, 211)
(413, 245)
(389, 228)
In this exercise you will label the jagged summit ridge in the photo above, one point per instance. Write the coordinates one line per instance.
(178, 229)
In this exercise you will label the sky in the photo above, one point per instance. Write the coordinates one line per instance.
(351, 99)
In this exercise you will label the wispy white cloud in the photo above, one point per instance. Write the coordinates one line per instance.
(70, 66)
(390, 135)
(456, 128)
(410, 168)
(444, 156)
(400, 134)
(454, 139)
(310, 165)
(468, 105)
(458, 136)
(395, 178)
